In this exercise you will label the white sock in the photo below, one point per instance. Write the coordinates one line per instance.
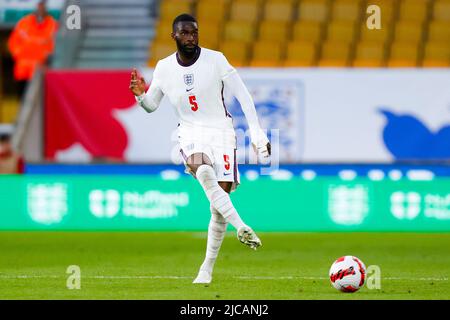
(216, 233)
(217, 197)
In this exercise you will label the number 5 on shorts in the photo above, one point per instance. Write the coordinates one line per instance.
(226, 159)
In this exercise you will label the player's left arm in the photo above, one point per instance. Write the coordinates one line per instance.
(237, 88)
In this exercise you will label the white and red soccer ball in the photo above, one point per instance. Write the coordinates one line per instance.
(348, 274)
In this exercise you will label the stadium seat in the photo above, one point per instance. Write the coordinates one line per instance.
(240, 31)
(210, 43)
(308, 31)
(313, 10)
(369, 54)
(208, 10)
(414, 10)
(437, 54)
(341, 31)
(236, 52)
(325, 32)
(301, 54)
(279, 10)
(335, 54)
(169, 9)
(161, 50)
(346, 10)
(375, 35)
(245, 10)
(266, 54)
(439, 31)
(163, 30)
(441, 10)
(403, 55)
(9, 108)
(408, 32)
(273, 31)
(209, 34)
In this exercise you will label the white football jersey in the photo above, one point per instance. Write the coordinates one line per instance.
(196, 92)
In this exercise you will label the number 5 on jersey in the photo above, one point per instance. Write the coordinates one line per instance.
(193, 102)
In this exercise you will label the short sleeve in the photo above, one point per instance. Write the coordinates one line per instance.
(224, 67)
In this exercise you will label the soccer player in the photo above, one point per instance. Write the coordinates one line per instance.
(194, 78)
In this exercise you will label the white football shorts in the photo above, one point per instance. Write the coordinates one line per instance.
(223, 156)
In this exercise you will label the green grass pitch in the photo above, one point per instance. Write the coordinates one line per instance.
(140, 265)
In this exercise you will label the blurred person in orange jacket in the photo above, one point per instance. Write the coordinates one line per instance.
(31, 42)
(10, 162)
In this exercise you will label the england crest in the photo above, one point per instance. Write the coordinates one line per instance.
(189, 79)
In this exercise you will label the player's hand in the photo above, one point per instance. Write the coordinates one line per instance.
(137, 84)
(263, 151)
(261, 146)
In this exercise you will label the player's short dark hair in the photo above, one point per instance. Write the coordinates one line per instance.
(183, 17)
(6, 132)
(5, 137)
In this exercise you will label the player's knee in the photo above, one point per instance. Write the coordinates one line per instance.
(196, 160)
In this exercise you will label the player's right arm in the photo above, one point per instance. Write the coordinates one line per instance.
(148, 101)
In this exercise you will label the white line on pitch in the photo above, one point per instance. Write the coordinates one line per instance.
(324, 278)
(6, 276)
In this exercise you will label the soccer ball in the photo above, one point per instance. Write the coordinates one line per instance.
(348, 274)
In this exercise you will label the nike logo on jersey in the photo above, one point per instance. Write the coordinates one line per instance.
(226, 174)
(187, 90)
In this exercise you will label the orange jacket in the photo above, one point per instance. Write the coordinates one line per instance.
(31, 43)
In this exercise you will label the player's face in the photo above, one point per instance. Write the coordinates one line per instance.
(5, 147)
(41, 10)
(186, 36)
